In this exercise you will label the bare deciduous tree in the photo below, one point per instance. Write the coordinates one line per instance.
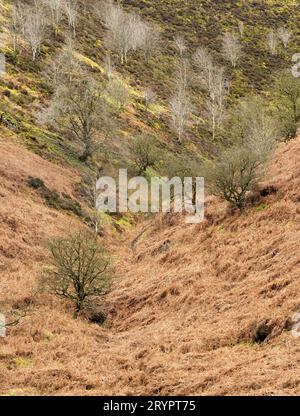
(234, 173)
(78, 109)
(95, 218)
(150, 39)
(127, 32)
(237, 169)
(212, 79)
(180, 44)
(180, 107)
(35, 28)
(183, 76)
(232, 49)
(118, 91)
(17, 23)
(91, 193)
(180, 103)
(145, 153)
(284, 35)
(71, 11)
(205, 67)
(254, 125)
(108, 66)
(56, 7)
(119, 23)
(272, 41)
(78, 270)
(215, 104)
(65, 67)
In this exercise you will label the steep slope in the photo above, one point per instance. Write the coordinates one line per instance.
(204, 22)
(207, 314)
(199, 310)
(26, 88)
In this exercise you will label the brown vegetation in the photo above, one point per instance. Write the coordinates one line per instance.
(208, 314)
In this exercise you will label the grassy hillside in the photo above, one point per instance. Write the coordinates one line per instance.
(25, 87)
(207, 313)
(204, 22)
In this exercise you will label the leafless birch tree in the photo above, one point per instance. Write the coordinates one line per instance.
(232, 49)
(183, 76)
(57, 8)
(118, 91)
(17, 23)
(272, 41)
(216, 102)
(180, 103)
(126, 31)
(71, 11)
(92, 195)
(180, 107)
(34, 28)
(212, 79)
(65, 67)
(108, 66)
(180, 44)
(150, 39)
(120, 37)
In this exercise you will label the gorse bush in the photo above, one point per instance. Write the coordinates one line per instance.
(79, 269)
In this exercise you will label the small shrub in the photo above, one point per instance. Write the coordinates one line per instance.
(145, 153)
(287, 91)
(233, 174)
(262, 332)
(97, 318)
(118, 91)
(35, 183)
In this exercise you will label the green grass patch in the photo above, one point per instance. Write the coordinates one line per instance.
(262, 207)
